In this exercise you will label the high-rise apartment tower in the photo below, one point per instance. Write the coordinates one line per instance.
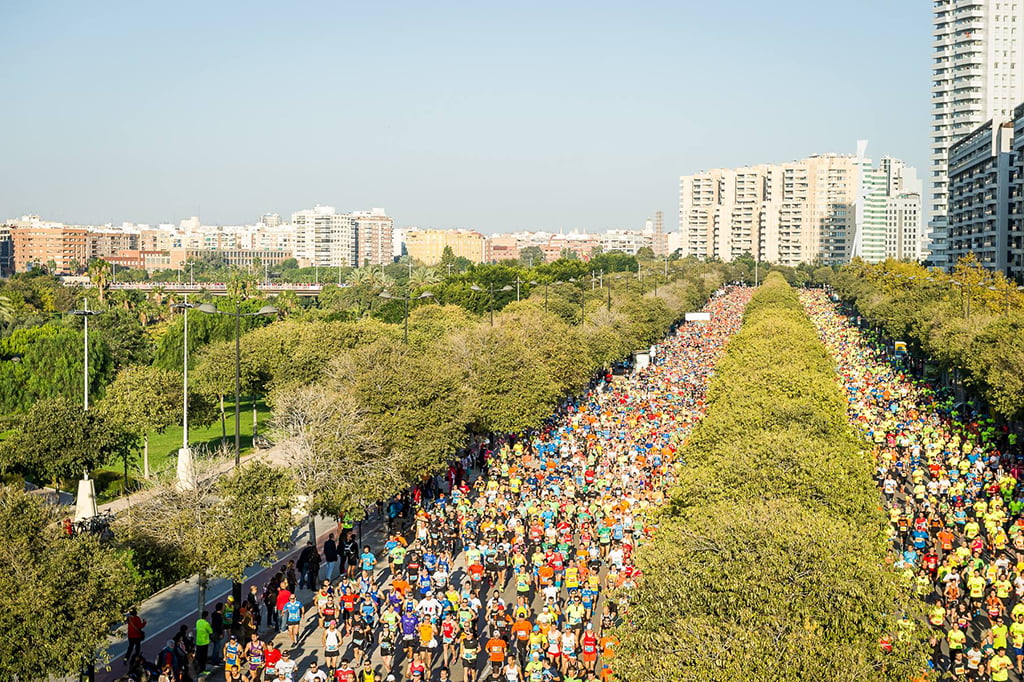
(977, 76)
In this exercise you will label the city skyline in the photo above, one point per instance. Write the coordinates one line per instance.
(502, 119)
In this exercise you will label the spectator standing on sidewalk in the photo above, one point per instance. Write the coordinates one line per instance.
(217, 623)
(255, 606)
(350, 549)
(330, 557)
(204, 631)
(135, 633)
(309, 566)
(283, 596)
(270, 600)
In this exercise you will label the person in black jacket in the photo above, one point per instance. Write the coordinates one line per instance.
(309, 561)
(217, 623)
(350, 548)
(330, 557)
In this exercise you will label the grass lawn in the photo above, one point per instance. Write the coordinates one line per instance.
(163, 447)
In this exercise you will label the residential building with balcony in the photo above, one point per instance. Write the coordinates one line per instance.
(977, 76)
(982, 170)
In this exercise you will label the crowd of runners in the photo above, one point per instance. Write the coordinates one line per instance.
(515, 575)
(949, 479)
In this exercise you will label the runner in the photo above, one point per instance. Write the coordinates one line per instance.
(949, 480)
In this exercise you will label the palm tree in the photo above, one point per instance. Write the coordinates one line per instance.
(359, 276)
(423, 277)
(6, 310)
(99, 272)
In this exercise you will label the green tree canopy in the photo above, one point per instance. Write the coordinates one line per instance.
(62, 594)
(58, 440)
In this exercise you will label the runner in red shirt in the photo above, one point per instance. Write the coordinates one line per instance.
(588, 645)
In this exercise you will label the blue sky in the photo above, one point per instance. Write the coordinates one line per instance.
(493, 116)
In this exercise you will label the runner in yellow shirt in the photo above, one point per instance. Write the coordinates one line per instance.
(1000, 666)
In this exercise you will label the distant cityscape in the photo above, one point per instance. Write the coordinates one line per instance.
(316, 237)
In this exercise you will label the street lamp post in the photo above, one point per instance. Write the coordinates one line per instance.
(490, 292)
(186, 472)
(85, 314)
(210, 309)
(408, 299)
(1007, 290)
(85, 502)
(518, 282)
(583, 299)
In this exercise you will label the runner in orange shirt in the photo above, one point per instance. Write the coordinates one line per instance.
(496, 651)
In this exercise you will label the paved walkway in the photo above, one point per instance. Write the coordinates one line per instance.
(167, 610)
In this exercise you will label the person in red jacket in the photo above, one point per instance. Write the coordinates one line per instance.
(283, 596)
(135, 634)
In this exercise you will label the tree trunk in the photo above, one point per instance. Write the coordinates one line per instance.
(312, 528)
(254, 419)
(145, 455)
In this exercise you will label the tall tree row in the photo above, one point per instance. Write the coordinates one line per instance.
(970, 323)
(769, 560)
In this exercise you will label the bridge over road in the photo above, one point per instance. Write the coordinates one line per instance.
(215, 288)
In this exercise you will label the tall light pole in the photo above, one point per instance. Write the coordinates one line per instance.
(407, 298)
(85, 314)
(583, 299)
(185, 469)
(518, 282)
(85, 501)
(490, 292)
(210, 309)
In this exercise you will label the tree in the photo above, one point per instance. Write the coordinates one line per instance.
(62, 594)
(419, 413)
(99, 275)
(124, 332)
(144, 399)
(46, 361)
(221, 526)
(423, 277)
(7, 311)
(778, 491)
(514, 389)
(532, 256)
(645, 253)
(58, 440)
(338, 462)
(448, 260)
(214, 375)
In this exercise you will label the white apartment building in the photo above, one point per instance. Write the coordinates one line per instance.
(324, 237)
(903, 227)
(626, 241)
(903, 190)
(826, 208)
(977, 76)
